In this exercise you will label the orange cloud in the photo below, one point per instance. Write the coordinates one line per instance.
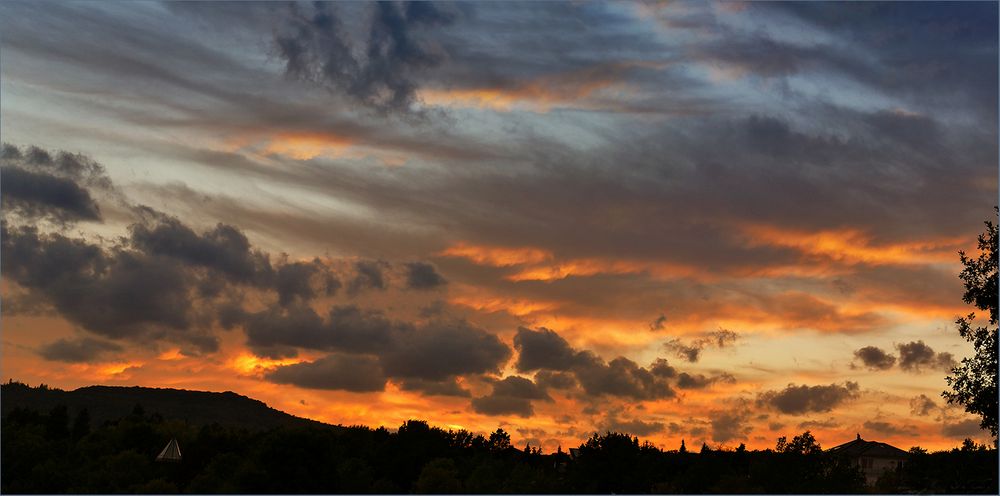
(541, 94)
(307, 145)
(852, 246)
(539, 265)
(250, 364)
(497, 256)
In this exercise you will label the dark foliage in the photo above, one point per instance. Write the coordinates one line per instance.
(54, 452)
(974, 382)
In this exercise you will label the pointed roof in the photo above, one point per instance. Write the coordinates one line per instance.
(860, 447)
(170, 453)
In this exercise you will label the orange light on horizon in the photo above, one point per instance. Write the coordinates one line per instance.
(250, 364)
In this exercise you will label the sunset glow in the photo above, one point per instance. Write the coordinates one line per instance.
(685, 220)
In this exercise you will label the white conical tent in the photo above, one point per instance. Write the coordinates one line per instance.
(171, 453)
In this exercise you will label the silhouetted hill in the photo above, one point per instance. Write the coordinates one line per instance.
(107, 403)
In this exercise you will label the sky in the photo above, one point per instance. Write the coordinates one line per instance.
(716, 222)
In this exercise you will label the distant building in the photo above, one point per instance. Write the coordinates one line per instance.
(873, 457)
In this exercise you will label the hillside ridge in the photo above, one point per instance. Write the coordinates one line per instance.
(110, 403)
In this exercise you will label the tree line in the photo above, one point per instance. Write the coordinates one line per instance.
(55, 452)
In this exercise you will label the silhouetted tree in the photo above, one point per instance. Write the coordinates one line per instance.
(499, 440)
(804, 444)
(974, 382)
(683, 448)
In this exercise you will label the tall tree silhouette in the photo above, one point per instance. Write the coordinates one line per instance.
(974, 382)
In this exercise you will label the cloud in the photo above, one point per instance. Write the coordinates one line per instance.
(634, 426)
(224, 248)
(701, 381)
(434, 388)
(915, 356)
(662, 368)
(922, 406)
(435, 351)
(875, 358)
(37, 185)
(555, 380)
(512, 395)
(620, 377)
(296, 281)
(441, 349)
(890, 429)
(730, 425)
(356, 373)
(420, 275)
(803, 399)
(963, 429)
(692, 351)
(315, 47)
(107, 293)
(824, 424)
(368, 276)
(77, 350)
(543, 349)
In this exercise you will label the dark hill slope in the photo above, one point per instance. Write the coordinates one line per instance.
(108, 403)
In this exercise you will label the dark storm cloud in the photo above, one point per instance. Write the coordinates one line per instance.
(634, 426)
(503, 405)
(620, 377)
(35, 195)
(803, 399)
(874, 358)
(890, 429)
(293, 281)
(441, 349)
(519, 387)
(38, 185)
(922, 406)
(543, 349)
(917, 356)
(77, 350)
(730, 425)
(224, 248)
(548, 379)
(420, 275)
(701, 381)
(356, 373)
(368, 275)
(434, 388)
(108, 293)
(512, 395)
(345, 328)
(316, 47)
(662, 368)
(692, 351)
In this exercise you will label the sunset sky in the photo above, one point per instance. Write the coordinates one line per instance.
(717, 222)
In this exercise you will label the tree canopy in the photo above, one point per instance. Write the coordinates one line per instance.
(974, 382)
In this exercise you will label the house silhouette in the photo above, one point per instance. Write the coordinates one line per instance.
(873, 457)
